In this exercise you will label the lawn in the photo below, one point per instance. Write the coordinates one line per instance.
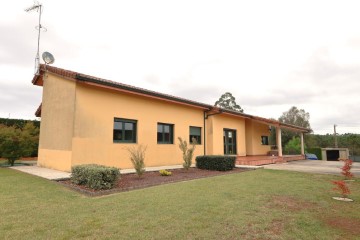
(261, 204)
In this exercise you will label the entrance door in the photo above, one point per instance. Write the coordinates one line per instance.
(229, 141)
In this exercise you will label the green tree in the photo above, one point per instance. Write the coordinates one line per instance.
(227, 101)
(293, 146)
(10, 144)
(294, 116)
(30, 139)
(16, 142)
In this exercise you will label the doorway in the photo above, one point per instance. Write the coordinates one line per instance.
(229, 141)
(332, 155)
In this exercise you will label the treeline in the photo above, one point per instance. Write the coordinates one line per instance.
(18, 123)
(18, 138)
(347, 140)
(313, 143)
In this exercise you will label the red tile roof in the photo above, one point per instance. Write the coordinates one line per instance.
(104, 83)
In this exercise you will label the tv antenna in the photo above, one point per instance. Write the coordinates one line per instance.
(39, 8)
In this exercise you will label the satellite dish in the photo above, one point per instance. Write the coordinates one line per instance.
(48, 58)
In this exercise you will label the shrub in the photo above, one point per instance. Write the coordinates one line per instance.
(187, 152)
(342, 187)
(345, 170)
(95, 176)
(219, 163)
(137, 157)
(165, 173)
(293, 146)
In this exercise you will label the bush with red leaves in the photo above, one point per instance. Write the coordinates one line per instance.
(345, 170)
(342, 187)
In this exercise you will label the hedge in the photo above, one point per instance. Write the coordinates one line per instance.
(214, 162)
(95, 176)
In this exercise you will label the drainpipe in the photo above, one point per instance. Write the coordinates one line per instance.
(204, 133)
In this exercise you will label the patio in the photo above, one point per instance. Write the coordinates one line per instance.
(264, 159)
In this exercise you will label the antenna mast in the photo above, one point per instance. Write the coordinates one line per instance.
(38, 7)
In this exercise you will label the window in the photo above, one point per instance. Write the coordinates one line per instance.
(264, 140)
(124, 130)
(229, 141)
(165, 133)
(195, 133)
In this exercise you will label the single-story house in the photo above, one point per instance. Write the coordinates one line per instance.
(85, 119)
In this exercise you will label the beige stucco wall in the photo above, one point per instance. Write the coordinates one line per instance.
(56, 129)
(77, 127)
(93, 129)
(215, 125)
(254, 131)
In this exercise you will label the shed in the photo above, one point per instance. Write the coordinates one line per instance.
(334, 154)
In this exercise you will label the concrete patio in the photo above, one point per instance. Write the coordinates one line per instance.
(315, 166)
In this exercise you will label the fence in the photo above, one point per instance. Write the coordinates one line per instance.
(355, 158)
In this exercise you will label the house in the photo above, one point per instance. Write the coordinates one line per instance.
(86, 119)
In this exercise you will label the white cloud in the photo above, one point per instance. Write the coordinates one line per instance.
(270, 54)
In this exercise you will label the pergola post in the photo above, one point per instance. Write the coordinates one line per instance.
(278, 139)
(302, 143)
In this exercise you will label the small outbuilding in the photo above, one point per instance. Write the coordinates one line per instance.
(334, 154)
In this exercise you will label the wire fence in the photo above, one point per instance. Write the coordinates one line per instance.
(355, 158)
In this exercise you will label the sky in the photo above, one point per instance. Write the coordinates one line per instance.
(271, 55)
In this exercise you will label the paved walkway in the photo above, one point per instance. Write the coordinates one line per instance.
(47, 173)
(314, 166)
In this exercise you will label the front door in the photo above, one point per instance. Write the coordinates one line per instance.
(229, 141)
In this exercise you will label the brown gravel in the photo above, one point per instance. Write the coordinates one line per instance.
(131, 181)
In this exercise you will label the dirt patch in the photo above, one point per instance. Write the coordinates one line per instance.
(347, 225)
(276, 227)
(131, 181)
(290, 203)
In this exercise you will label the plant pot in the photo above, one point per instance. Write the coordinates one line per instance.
(343, 199)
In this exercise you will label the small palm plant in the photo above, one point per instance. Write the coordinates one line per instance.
(188, 152)
(137, 157)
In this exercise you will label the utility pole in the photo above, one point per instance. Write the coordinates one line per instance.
(335, 138)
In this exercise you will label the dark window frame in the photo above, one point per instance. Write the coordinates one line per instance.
(265, 140)
(198, 140)
(171, 133)
(123, 121)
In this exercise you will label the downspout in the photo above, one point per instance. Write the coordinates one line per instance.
(205, 133)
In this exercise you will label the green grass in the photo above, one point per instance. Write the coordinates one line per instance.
(261, 204)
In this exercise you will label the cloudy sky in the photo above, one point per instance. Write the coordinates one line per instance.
(270, 55)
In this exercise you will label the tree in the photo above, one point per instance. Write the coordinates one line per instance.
(30, 136)
(293, 146)
(16, 143)
(294, 116)
(227, 101)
